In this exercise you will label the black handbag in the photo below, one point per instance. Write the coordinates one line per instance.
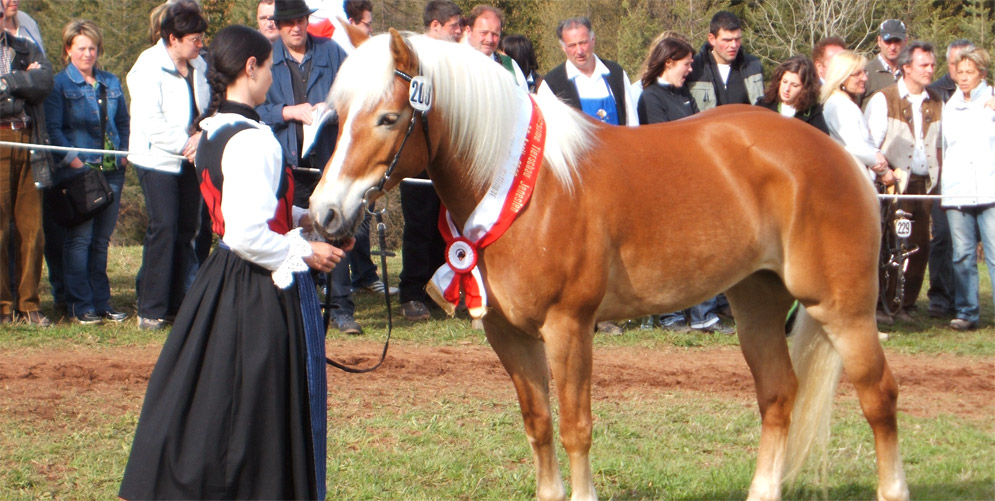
(81, 197)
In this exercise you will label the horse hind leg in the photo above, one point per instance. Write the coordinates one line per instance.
(855, 337)
(524, 358)
(760, 304)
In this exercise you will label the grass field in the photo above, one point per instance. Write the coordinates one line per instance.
(402, 442)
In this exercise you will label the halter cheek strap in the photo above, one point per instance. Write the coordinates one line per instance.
(393, 163)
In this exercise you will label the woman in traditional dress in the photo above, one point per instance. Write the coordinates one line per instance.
(235, 407)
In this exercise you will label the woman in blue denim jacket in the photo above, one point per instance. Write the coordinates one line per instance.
(74, 110)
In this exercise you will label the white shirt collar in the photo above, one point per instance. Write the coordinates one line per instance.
(903, 91)
(599, 70)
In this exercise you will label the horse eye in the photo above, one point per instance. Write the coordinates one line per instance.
(388, 119)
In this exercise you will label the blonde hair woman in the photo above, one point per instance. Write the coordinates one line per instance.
(845, 82)
(969, 177)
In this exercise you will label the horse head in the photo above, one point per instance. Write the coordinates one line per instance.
(377, 132)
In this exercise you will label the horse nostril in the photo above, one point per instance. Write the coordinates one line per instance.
(329, 217)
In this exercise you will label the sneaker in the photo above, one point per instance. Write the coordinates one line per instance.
(608, 328)
(959, 324)
(151, 324)
(415, 311)
(89, 318)
(377, 286)
(347, 325)
(882, 336)
(113, 315)
(720, 327)
(673, 322)
(35, 318)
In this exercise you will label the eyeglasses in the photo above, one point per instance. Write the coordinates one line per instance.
(195, 39)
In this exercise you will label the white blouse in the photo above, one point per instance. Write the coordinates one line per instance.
(848, 127)
(252, 164)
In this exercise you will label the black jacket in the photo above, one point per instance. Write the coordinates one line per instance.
(26, 91)
(812, 116)
(945, 87)
(745, 84)
(664, 103)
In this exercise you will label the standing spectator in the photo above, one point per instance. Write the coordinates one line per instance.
(25, 81)
(236, 404)
(442, 20)
(823, 52)
(168, 90)
(904, 122)
(884, 70)
(794, 92)
(941, 273)
(845, 82)
(484, 33)
(304, 68)
(519, 48)
(969, 175)
(665, 98)
(598, 87)
(87, 110)
(21, 25)
(264, 14)
(723, 73)
(360, 14)
(422, 246)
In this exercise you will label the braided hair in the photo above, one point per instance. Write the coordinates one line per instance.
(230, 49)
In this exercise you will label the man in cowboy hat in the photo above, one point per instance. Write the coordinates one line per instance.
(304, 67)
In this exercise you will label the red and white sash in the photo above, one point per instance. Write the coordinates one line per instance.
(509, 193)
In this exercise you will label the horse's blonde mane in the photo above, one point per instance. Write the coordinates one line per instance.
(477, 99)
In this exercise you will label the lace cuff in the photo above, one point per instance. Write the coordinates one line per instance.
(283, 277)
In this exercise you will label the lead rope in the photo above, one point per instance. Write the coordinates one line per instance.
(382, 237)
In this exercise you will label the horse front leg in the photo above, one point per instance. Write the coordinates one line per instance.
(760, 303)
(524, 358)
(569, 337)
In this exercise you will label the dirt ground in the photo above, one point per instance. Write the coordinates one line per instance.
(113, 380)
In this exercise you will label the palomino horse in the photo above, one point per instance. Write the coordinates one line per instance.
(625, 222)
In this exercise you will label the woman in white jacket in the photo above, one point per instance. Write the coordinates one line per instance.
(845, 81)
(168, 91)
(969, 180)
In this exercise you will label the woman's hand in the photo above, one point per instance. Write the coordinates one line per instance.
(190, 149)
(324, 256)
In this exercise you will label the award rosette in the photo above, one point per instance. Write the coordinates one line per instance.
(509, 193)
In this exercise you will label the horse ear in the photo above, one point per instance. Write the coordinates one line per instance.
(404, 57)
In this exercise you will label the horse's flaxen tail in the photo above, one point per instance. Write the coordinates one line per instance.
(818, 367)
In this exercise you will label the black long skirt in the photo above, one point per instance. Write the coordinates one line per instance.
(226, 411)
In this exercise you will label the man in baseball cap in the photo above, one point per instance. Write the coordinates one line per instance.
(883, 70)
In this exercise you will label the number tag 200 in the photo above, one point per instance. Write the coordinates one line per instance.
(420, 93)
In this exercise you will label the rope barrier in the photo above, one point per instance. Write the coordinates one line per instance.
(427, 182)
(65, 149)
